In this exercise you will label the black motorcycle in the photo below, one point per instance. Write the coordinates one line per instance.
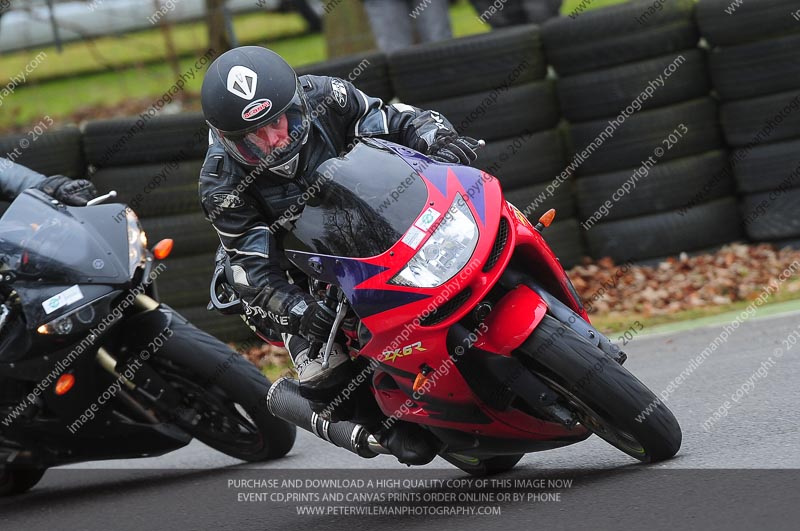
(93, 367)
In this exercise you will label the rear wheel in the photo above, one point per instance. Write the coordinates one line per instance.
(18, 481)
(603, 395)
(487, 466)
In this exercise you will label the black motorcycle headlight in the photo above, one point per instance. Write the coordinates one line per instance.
(78, 320)
(137, 242)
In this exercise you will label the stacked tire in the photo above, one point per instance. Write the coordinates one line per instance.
(154, 166)
(368, 72)
(54, 151)
(755, 70)
(649, 156)
(493, 87)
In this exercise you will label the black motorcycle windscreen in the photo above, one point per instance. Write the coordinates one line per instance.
(363, 204)
(40, 240)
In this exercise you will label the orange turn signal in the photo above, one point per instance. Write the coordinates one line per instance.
(548, 217)
(64, 384)
(162, 249)
(419, 381)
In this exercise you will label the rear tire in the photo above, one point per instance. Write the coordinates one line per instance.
(475, 466)
(609, 400)
(13, 482)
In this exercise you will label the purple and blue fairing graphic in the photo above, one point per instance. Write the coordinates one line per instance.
(347, 273)
(437, 173)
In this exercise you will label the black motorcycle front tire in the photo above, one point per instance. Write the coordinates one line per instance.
(204, 359)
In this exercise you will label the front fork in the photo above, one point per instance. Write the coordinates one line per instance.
(155, 389)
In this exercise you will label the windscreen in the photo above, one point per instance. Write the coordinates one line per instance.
(365, 202)
(48, 243)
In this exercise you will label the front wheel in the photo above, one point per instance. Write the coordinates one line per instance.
(223, 396)
(606, 398)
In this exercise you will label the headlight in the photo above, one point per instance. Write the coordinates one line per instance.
(78, 320)
(445, 253)
(137, 242)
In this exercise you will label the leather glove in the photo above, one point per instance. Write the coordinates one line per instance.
(73, 192)
(317, 321)
(454, 149)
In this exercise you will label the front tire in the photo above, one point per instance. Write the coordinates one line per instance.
(606, 398)
(223, 396)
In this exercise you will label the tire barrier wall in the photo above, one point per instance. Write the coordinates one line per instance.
(755, 69)
(504, 98)
(652, 132)
(643, 128)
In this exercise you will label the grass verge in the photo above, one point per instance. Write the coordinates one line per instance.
(273, 372)
(612, 322)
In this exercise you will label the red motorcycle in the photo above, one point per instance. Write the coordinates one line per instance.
(461, 318)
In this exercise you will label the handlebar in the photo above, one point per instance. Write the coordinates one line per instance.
(99, 199)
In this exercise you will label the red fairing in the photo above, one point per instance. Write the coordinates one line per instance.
(405, 345)
(512, 320)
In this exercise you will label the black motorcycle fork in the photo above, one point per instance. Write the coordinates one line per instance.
(566, 316)
(147, 383)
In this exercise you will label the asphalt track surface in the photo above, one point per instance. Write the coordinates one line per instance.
(739, 473)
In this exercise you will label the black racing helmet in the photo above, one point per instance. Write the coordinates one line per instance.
(253, 101)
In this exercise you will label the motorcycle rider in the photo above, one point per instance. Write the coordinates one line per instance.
(14, 178)
(269, 131)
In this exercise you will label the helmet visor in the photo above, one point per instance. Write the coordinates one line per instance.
(271, 143)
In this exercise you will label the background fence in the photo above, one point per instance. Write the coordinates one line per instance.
(651, 131)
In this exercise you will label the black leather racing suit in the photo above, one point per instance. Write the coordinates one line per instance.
(245, 210)
(15, 178)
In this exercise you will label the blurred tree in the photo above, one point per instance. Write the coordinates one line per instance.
(312, 11)
(219, 39)
(169, 42)
(346, 28)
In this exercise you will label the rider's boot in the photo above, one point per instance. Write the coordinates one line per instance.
(321, 386)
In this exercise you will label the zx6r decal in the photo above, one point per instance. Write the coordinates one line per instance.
(391, 355)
